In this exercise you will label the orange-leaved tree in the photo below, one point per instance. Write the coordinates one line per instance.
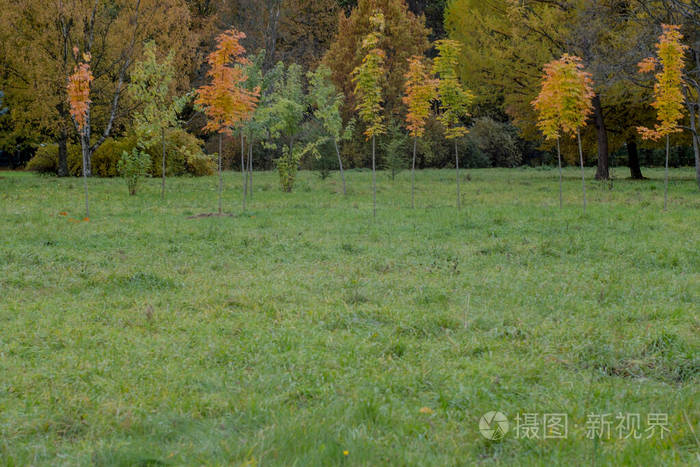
(668, 90)
(454, 99)
(564, 104)
(78, 89)
(420, 92)
(225, 100)
(368, 89)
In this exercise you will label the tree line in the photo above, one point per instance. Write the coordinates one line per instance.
(503, 46)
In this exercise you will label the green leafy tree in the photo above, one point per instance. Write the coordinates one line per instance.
(454, 99)
(327, 103)
(252, 127)
(368, 89)
(283, 115)
(152, 87)
(132, 166)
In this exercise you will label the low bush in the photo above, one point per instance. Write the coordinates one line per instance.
(183, 154)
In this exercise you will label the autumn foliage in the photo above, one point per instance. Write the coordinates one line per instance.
(454, 100)
(565, 101)
(367, 78)
(668, 94)
(79, 92)
(225, 100)
(421, 91)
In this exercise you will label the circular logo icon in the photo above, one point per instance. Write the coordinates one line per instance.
(493, 426)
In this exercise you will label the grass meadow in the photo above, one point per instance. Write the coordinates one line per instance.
(303, 332)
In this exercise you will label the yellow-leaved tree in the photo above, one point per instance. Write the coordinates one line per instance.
(420, 92)
(454, 99)
(564, 104)
(668, 90)
(368, 89)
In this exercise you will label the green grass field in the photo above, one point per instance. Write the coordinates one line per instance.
(303, 332)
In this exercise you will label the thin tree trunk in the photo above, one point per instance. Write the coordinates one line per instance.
(62, 154)
(250, 169)
(668, 149)
(85, 149)
(602, 171)
(459, 198)
(374, 180)
(244, 172)
(561, 199)
(633, 159)
(413, 174)
(340, 163)
(162, 190)
(583, 173)
(242, 156)
(696, 145)
(221, 180)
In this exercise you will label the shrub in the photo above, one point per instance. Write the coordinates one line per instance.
(287, 166)
(199, 164)
(105, 160)
(132, 166)
(183, 154)
(498, 141)
(46, 160)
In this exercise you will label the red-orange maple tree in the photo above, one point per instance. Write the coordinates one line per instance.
(225, 100)
(78, 89)
(79, 92)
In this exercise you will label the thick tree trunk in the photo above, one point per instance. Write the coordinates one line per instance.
(89, 163)
(583, 173)
(413, 174)
(374, 179)
(633, 159)
(221, 179)
(561, 198)
(340, 163)
(668, 150)
(459, 198)
(602, 172)
(162, 188)
(63, 154)
(271, 33)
